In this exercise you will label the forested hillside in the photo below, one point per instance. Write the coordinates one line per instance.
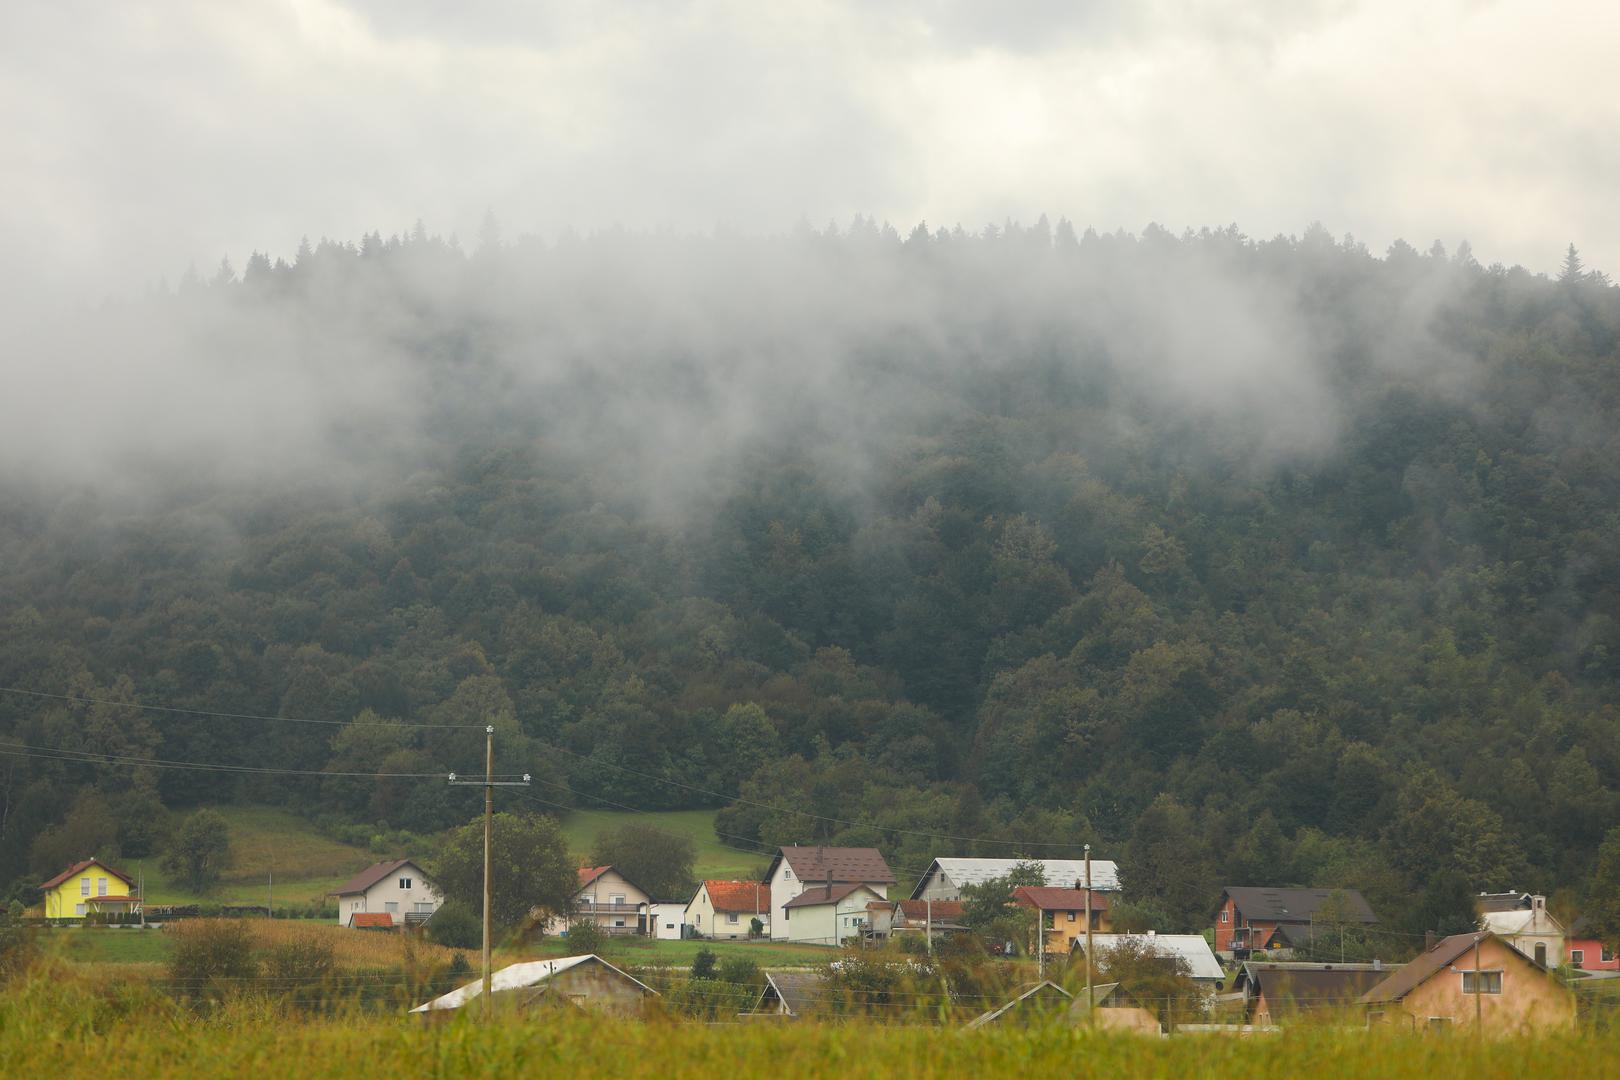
(1272, 562)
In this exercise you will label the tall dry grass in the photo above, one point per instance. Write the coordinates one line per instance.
(61, 1023)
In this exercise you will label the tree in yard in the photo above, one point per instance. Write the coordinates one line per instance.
(455, 926)
(199, 851)
(658, 861)
(988, 910)
(1160, 981)
(1446, 906)
(531, 871)
(585, 936)
(212, 955)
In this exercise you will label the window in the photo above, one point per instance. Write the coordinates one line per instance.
(405, 883)
(392, 907)
(84, 886)
(617, 898)
(731, 917)
(78, 908)
(1607, 955)
(618, 922)
(101, 886)
(787, 874)
(1071, 916)
(1440, 1023)
(1226, 916)
(697, 920)
(1577, 957)
(1489, 982)
(425, 906)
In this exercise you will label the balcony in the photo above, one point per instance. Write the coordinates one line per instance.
(586, 908)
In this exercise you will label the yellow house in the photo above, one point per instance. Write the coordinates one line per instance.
(87, 888)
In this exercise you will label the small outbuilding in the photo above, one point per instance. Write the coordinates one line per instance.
(585, 982)
(1045, 1002)
(794, 994)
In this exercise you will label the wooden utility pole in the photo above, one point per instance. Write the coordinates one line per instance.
(489, 784)
(1479, 994)
(1091, 1001)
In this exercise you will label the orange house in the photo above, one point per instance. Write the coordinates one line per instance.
(1063, 914)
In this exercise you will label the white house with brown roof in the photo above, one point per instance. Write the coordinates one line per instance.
(1523, 921)
(944, 878)
(398, 888)
(727, 909)
(828, 914)
(799, 868)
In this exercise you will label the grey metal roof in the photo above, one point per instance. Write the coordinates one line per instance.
(1060, 873)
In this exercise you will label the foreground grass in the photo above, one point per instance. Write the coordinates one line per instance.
(65, 1027)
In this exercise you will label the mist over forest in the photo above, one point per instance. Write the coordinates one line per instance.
(1238, 559)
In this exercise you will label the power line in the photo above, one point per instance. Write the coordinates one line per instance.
(81, 699)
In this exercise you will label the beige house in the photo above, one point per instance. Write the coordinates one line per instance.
(616, 904)
(397, 890)
(831, 869)
(727, 909)
(827, 916)
(1472, 980)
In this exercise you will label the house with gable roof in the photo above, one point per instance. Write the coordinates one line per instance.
(585, 982)
(618, 906)
(1256, 919)
(845, 880)
(944, 878)
(397, 888)
(1523, 921)
(1472, 980)
(88, 888)
(727, 909)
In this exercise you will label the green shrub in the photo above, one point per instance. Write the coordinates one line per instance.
(211, 956)
(455, 927)
(586, 937)
(703, 964)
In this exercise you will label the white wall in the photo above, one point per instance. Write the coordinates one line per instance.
(669, 918)
(422, 895)
(785, 885)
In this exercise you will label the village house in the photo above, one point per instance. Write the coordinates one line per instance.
(1275, 992)
(618, 906)
(796, 869)
(728, 909)
(1253, 919)
(1191, 949)
(397, 888)
(827, 915)
(1472, 980)
(944, 878)
(585, 982)
(1063, 913)
(89, 888)
(1586, 952)
(936, 918)
(1523, 921)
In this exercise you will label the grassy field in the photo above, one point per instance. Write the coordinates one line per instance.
(58, 1026)
(638, 951)
(85, 945)
(714, 859)
(306, 864)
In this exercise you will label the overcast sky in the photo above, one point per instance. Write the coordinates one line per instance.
(139, 137)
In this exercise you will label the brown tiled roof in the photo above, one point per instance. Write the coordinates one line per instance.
(742, 897)
(839, 865)
(80, 866)
(1302, 986)
(821, 895)
(368, 877)
(361, 920)
(1417, 972)
(588, 874)
(1046, 898)
(1294, 905)
(943, 909)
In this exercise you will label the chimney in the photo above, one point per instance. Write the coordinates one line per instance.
(1428, 940)
(1537, 903)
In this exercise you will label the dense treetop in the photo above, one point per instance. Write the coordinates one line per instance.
(1272, 562)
